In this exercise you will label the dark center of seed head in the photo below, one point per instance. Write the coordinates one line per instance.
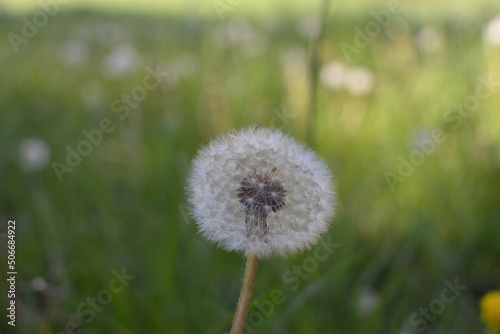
(261, 194)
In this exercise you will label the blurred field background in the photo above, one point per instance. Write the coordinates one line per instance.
(124, 205)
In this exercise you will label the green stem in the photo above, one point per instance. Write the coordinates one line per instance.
(314, 71)
(240, 317)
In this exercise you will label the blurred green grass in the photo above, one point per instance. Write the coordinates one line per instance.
(123, 205)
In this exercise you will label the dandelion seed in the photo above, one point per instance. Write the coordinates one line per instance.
(259, 192)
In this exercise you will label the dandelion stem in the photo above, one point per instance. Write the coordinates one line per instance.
(240, 317)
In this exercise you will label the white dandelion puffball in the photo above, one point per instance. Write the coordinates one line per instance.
(332, 75)
(358, 81)
(122, 60)
(259, 192)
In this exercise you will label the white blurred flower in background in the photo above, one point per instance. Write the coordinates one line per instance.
(492, 31)
(34, 154)
(122, 60)
(358, 81)
(429, 39)
(367, 302)
(74, 52)
(422, 138)
(332, 74)
(39, 284)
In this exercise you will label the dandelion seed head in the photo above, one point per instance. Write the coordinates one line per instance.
(259, 192)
